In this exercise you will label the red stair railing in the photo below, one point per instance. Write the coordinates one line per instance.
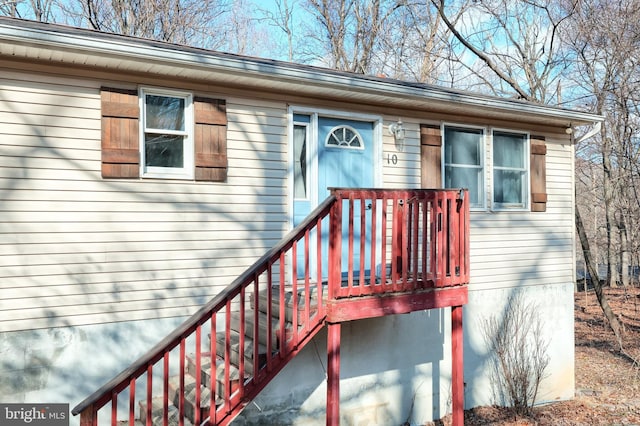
(405, 241)
(150, 374)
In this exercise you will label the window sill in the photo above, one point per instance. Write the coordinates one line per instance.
(167, 176)
(511, 209)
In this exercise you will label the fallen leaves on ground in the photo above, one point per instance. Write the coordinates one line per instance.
(607, 380)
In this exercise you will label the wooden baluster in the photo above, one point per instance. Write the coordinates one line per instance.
(270, 316)
(291, 345)
(319, 257)
(255, 335)
(383, 240)
(227, 357)
(241, 345)
(132, 400)
(149, 393)
(281, 318)
(350, 237)
(425, 241)
(114, 412)
(165, 390)
(196, 415)
(435, 232)
(374, 232)
(363, 238)
(213, 342)
(181, 407)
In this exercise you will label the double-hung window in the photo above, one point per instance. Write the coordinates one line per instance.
(510, 170)
(167, 134)
(463, 161)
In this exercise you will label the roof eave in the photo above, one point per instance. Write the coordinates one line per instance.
(74, 44)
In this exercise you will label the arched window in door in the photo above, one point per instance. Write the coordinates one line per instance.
(344, 137)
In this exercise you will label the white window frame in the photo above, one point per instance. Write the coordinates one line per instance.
(525, 206)
(188, 169)
(482, 197)
(307, 127)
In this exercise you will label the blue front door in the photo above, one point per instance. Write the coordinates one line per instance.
(345, 154)
(345, 159)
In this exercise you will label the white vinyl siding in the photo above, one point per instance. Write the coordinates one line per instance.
(509, 249)
(77, 249)
(405, 173)
(516, 249)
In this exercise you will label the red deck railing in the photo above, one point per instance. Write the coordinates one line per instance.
(425, 241)
(209, 368)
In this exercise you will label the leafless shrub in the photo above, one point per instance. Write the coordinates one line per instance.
(517, 340)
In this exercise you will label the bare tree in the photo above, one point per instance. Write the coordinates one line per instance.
(282, 19)
(347, 31)
(518, 42)
(414, 45)
(604, 38)
(39, 10)
(595, 279)
(9, 8)
(190, 22)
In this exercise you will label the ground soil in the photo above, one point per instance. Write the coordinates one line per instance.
(607, 379)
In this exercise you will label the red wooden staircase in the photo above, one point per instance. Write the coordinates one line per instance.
(362, 253)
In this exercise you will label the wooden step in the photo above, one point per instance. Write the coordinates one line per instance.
(235, 351)
(157, 414)
(190, 396)
(136, 422)
(205, 375)
(262, 327)
(288, 296)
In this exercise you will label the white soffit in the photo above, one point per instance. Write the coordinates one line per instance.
(30, 40)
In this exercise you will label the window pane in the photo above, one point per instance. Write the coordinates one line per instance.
(164, 112)
(300, 161)
(508, 150)
(164, 150)
(463, 146)
(344, 137)
(508, 187)
(463, 162)
(465, 177)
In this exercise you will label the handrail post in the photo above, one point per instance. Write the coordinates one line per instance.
(466, 234)
(457, 367)
(333, 374)
(89, 416)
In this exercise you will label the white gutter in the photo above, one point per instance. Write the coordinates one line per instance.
(88, 42)
(594, 130)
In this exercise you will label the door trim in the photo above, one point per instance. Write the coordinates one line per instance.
(312, 148)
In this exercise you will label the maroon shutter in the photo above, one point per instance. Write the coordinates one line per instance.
(120, 133)
(430, 156)
(538, 174)
(210, 139)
